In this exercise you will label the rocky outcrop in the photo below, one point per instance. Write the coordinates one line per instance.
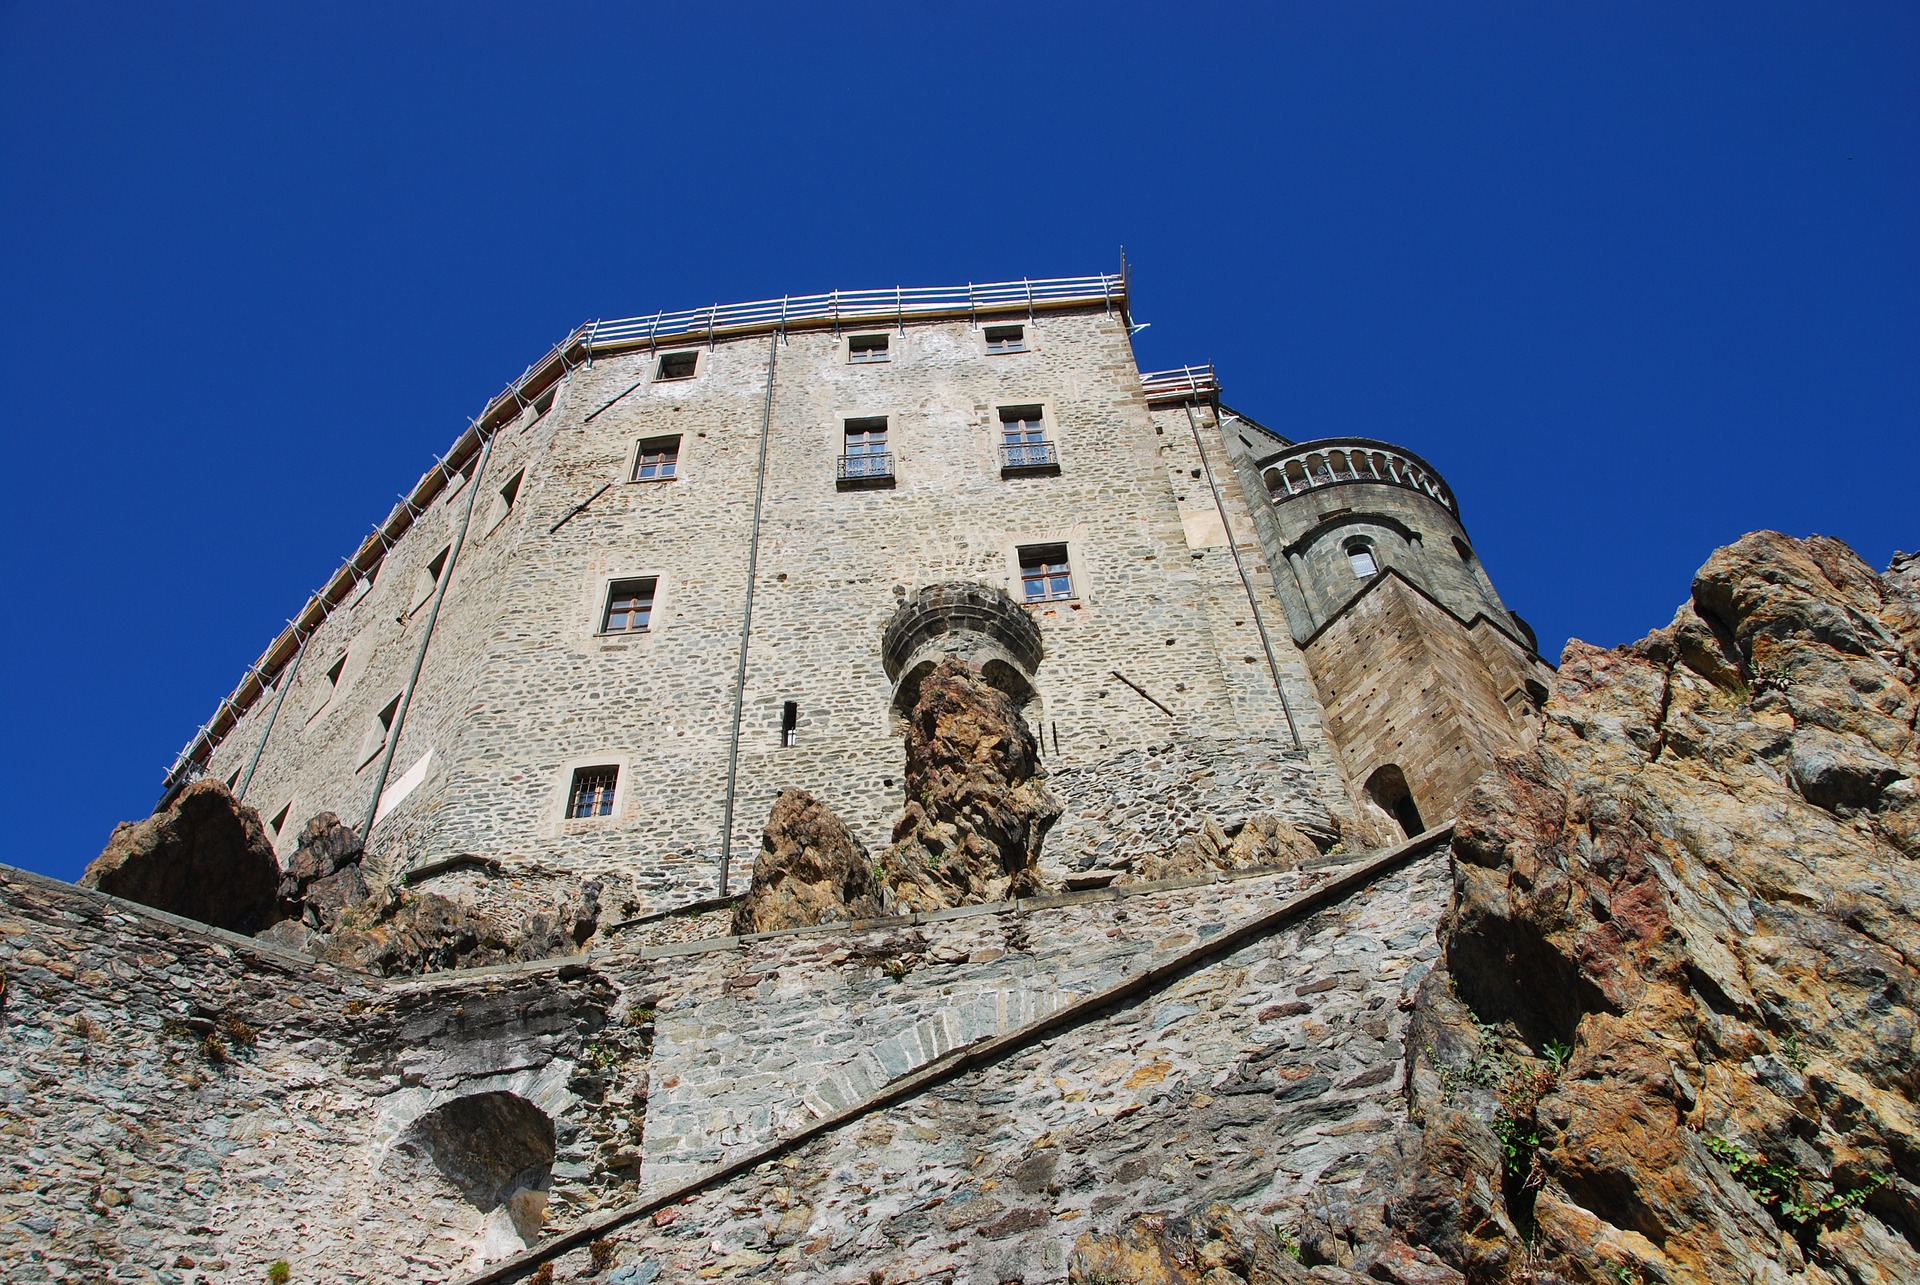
(1263, 839)
(323, 877)
(810, 870)
(977, 810)
(405, 932)
(206, 857)
(1680, 1035)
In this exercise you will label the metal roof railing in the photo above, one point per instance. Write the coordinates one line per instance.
(1186, 384)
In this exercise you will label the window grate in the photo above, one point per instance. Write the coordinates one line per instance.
(592, 792)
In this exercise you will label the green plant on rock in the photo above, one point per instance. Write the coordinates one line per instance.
(1289, 1242)
(280, 1272)
(1796, 1201)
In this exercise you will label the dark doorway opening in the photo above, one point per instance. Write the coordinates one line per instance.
(1388, 788)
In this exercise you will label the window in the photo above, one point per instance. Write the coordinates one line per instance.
(789, 724)
(1024, 447)
(329, 686)
(866, 460)
(1460, 547)
(1044, 574)
(278, 826)
(1006, 339)
(657, 459)
(1360, 556)
(334, 671)
(541, 405)
(677, 365)
(503, 501)
(592, 792)
(429, 578)
(367, 579)
(382, 729)
(629, 607)
(862, 349)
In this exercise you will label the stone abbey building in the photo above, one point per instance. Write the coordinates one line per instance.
(688, 560)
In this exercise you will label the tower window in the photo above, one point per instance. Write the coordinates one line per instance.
(863, 349)
(381, 730)
(429, 578)
(657, 460)
(1460, 547)
(592, 792)
(1360, 556)
(1003, 339)
(1024, 447)
(1044, 573)
(677, 365)
(790, 724)
(629, 607)
(541, 405)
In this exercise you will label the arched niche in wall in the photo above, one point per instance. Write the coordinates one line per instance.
(1387, 788)
(496, 1149)
(974, 623)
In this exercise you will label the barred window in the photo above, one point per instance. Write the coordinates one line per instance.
(1044, 574)
(657, 460)
(629, 607)
(592, 792)
(1006, 339)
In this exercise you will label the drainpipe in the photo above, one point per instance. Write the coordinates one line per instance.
(1246, 581)
(293, 672)
(420, 656)
(746, 622)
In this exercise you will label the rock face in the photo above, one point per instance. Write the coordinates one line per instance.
(811, 870)
(1262, 839)
(405, 932)
(323, 878)
(207, 857)
(1680, 1040)
(976, 808)
(1676, 1031)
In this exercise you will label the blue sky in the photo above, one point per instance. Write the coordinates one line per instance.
(1636, 277)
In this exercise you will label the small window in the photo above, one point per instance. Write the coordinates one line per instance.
(789, 724)
(1044, 573)
(677, 365)
(657, 460)
(329, 685)
(278, 826)
(629, 607)
(1006, 339)
(503, 501)
(541, 405)
(233, 781)
(429, 578)
(367, 579)
(592, 792)
(1460, 547)
(381, 729)
(862, 349)
(1360, 557)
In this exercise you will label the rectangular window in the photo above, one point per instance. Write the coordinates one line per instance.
(862, 349)
(429, 578)
(1024, 447)
(866, 461)
(677, 365)
(503, 501)
(381, 729)
(1044, 574)
(629, 607)
(790, 724)
(657, 459)
(592, 792)
(1006, 339)
(541, 405)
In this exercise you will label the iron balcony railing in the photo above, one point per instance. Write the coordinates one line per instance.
(1029, 457)
(873, 469)
(1187, 384)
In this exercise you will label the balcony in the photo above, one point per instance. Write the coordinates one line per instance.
(1335, 461)
(1029, 459)
(864, 472)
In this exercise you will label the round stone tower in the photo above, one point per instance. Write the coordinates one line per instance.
(1424, 674)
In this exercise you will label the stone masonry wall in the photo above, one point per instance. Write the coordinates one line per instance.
(143, 1153)
(519, 689)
